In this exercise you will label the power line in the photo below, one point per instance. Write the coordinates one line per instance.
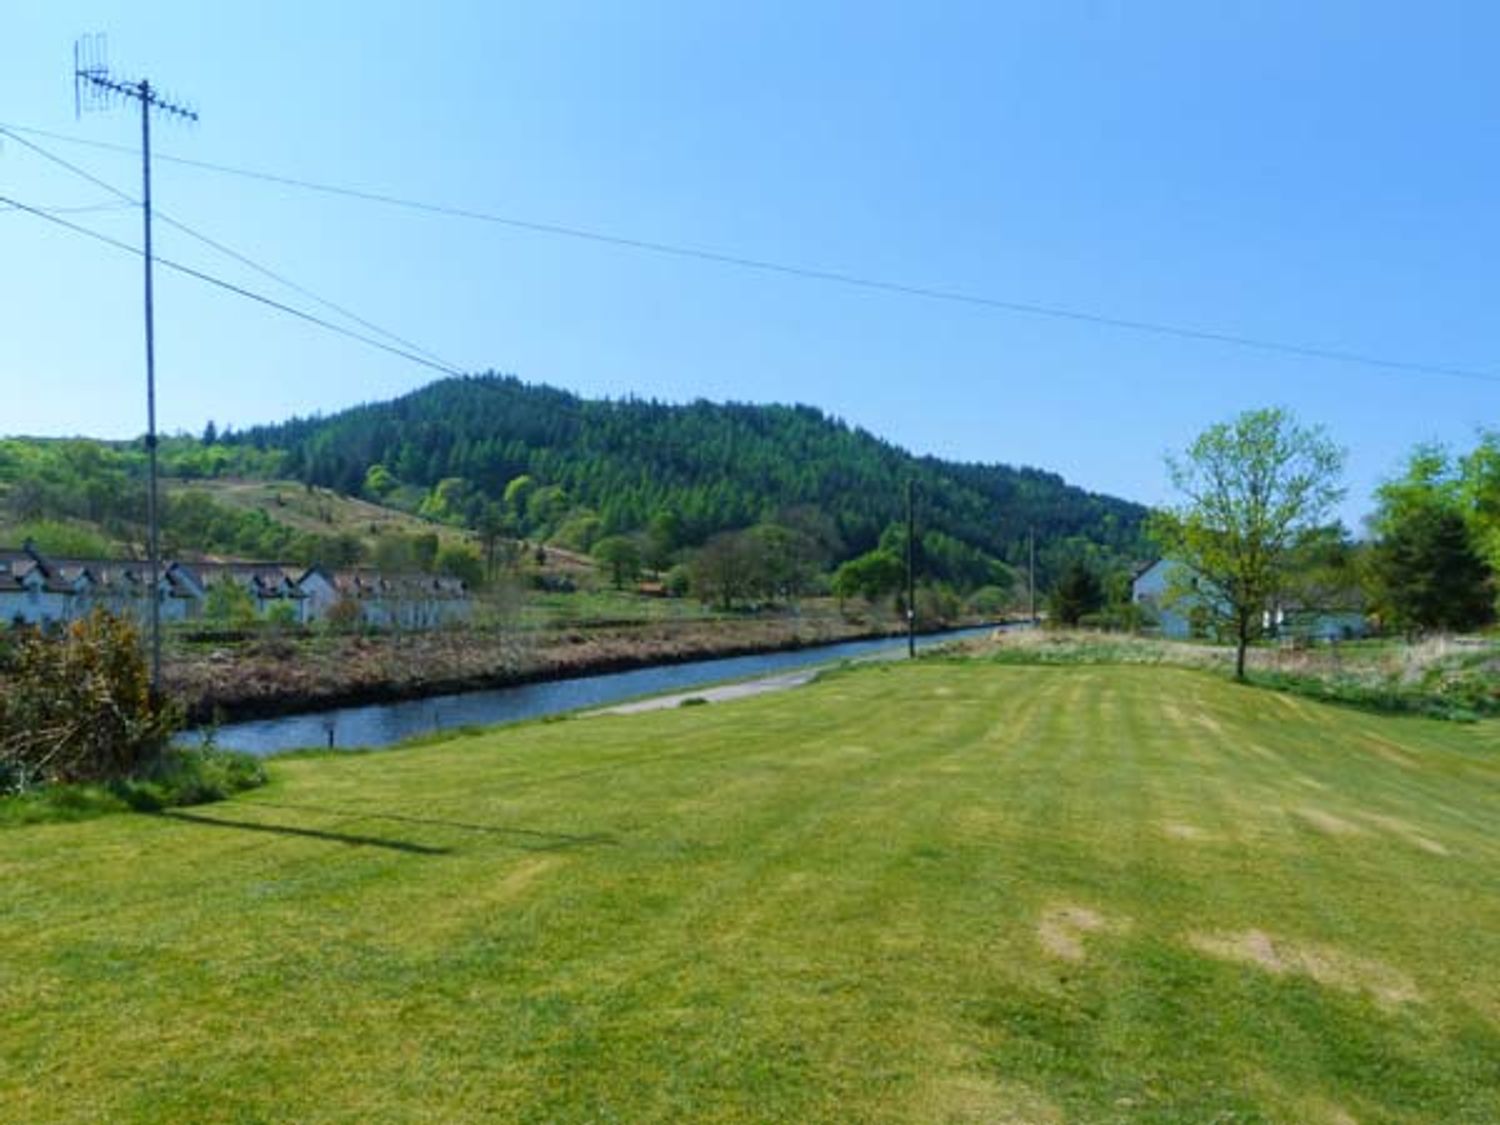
(837, 277)
(227, 251)
(228, 286)
(80, 209)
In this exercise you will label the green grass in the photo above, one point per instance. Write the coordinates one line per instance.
(184, 777)
(939, 891)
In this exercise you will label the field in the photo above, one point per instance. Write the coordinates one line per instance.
(945, 891)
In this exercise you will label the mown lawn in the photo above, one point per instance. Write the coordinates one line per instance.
(940, 892)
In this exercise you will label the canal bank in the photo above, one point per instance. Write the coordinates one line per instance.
(384, 723)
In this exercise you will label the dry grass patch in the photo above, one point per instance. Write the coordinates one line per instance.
(1063, 928)
(1327, 823)
(1329, 967)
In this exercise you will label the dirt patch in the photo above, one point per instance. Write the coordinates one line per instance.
(1328, 967)
(1063, 928)
(1325, 822)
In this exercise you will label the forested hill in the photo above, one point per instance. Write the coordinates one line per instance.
(458, 445)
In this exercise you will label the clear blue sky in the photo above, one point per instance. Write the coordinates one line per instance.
(1319, 174)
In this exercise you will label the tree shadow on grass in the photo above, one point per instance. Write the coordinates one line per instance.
(530, 839)
(345, 838)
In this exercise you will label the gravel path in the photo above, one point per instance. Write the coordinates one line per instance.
(721, 694)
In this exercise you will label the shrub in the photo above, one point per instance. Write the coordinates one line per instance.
(181, 777)
(79, 707)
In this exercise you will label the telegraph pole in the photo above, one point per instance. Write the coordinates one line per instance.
(93, 85)
(1031, 570)
(911, 568)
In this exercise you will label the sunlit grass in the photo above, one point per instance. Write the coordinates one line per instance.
(938, 891)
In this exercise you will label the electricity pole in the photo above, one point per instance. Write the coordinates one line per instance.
(92, 85)
(1031, 570)
(911, 569)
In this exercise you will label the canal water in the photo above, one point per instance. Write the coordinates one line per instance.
(382, 724)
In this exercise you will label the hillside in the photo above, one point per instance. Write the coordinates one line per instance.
(459, 445)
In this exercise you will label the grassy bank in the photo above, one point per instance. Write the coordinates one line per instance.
(926, 892)
(1456, 678)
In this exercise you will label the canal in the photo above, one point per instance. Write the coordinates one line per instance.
(383, 724)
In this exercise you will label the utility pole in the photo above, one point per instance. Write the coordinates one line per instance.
(1031, 570)
(911, 568)
(93, 86)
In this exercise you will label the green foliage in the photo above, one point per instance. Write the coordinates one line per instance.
(228, 603)
(450, 501)
(990, 601)
(937, 605)
(1077, 594)
(874, 575)
(1252, 490)
(1433, 565)
(1428, 574)
(678, 581)
(182, 778)
(379, 483)
(621, 556)
(458, 561)
(62, 540)
(77, 706)
(579, 531)
(702, 469)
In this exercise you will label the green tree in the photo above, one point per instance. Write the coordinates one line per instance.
(663, 537)
(622, 556)
(1252, 490)
(459, 561)
(379, 483)
(723, 570)
(1428, 574)
(1077, 593)
(494, 524)
(228, 603)
(872, 576)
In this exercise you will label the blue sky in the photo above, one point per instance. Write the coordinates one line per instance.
(1322, 175)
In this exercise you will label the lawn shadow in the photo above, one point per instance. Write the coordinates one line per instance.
(345, 838)
(531, 840)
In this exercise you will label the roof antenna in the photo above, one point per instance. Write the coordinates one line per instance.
(95, 88)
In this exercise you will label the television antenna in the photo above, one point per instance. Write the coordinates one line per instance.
(95, 88)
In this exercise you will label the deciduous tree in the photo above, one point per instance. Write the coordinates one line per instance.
(1253, 489)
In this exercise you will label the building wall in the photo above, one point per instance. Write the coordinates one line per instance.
(1151, 589)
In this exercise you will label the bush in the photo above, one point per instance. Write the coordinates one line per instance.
(182, 777)
(78, 706)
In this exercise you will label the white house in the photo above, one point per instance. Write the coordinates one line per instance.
(1169, 591)
(38, 590)
(1166, 591)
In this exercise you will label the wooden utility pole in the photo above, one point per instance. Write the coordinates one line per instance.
(93, 85)
(911, 568)
(1031, 570)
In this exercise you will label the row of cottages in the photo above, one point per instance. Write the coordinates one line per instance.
(36, 589)
(1169, 591)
